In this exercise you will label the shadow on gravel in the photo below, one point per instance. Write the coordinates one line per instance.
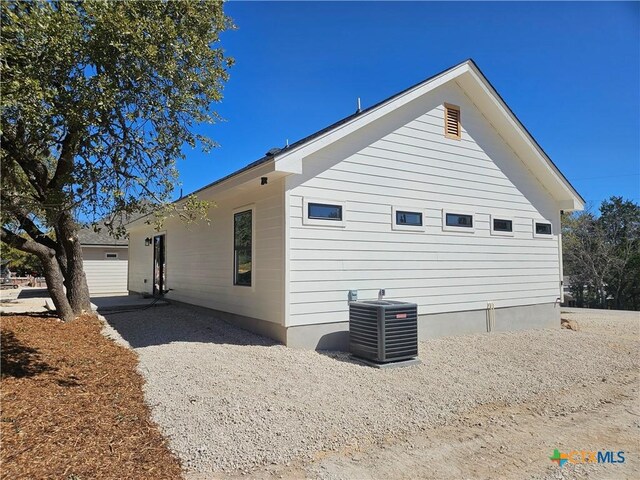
(160, 326)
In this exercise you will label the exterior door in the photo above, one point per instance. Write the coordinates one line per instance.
(159, 266)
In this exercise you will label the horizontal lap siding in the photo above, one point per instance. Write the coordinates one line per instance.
(414, 165)
(106, 276)
(200, 257)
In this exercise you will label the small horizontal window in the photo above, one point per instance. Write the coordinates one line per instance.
(111, 256)
(543, 228)
(413, 219)
(323, 211)
(501, 225)
(459, 220)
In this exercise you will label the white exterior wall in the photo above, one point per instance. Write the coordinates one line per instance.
(105, 276)
(199, 257)
(404, 160)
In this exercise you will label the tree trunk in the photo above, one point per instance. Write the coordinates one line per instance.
(52, 273)
(55, 282)
(75, 278)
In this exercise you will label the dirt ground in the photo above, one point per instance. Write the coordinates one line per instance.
(73, 407)
(510, 441)
(499, 441)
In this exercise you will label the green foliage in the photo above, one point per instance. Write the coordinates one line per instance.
(21, 263)
(100, 97)
(602, 254)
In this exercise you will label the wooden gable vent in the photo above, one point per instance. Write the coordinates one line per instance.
(452, 128)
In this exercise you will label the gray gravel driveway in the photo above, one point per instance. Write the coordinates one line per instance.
(231, 401)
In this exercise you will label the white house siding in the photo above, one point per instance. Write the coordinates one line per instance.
(199, 268)
(105, 276)
(406, 161)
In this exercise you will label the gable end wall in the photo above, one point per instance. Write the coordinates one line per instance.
(404, 160)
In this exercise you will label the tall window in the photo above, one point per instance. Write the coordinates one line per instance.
(242, 243)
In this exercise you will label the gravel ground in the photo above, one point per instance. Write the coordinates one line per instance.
(232, 401)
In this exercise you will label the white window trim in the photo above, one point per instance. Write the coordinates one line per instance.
(541, 235)
(408, 228)
(499, 232)
(107, 257)
(320, 221)
(458, 211)
(252, 287)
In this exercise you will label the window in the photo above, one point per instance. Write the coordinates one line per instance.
(502, 226)
(242, 242)
(323, 211)
(452, 127)
(407, 219)
(457, 221)
(542, 229)
(111, 256)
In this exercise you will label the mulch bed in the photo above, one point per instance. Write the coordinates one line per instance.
(72, 406)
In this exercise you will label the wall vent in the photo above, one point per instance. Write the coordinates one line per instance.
(452, 127)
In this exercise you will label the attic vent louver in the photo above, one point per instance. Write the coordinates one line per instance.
(273, 151)
(452, 128)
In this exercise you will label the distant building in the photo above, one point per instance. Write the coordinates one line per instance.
(106, 261)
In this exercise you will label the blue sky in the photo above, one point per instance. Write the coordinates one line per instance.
(570, 71)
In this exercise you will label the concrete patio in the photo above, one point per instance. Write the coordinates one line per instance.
(37, 300)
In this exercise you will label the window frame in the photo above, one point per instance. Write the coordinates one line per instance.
(410, 228)
(541, 235)
(447, 107)
(501, 232)
(456, 228)
(107, 257)
(325, 222)
(236, 211)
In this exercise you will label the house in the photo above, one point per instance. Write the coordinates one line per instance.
(438, 195)
(105, 259)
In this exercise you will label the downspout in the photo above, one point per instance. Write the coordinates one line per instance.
(560, 269)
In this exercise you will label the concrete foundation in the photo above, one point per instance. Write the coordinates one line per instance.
(261, 327)
(335, 336)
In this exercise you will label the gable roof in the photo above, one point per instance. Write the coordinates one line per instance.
(470, 78)
(89, 237)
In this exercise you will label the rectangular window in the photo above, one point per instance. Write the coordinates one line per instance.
(452, 127)
(324, 211)
(459, 220)
(413, 219)
(242, 242)
(542, 228)
(502, 226)
(111, 256)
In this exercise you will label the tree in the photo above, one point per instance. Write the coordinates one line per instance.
(603, 253)
(24, 264)
(586, 256)
(98, 100)
(620, 221)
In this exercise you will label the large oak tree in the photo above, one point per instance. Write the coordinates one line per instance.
(99, 99)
